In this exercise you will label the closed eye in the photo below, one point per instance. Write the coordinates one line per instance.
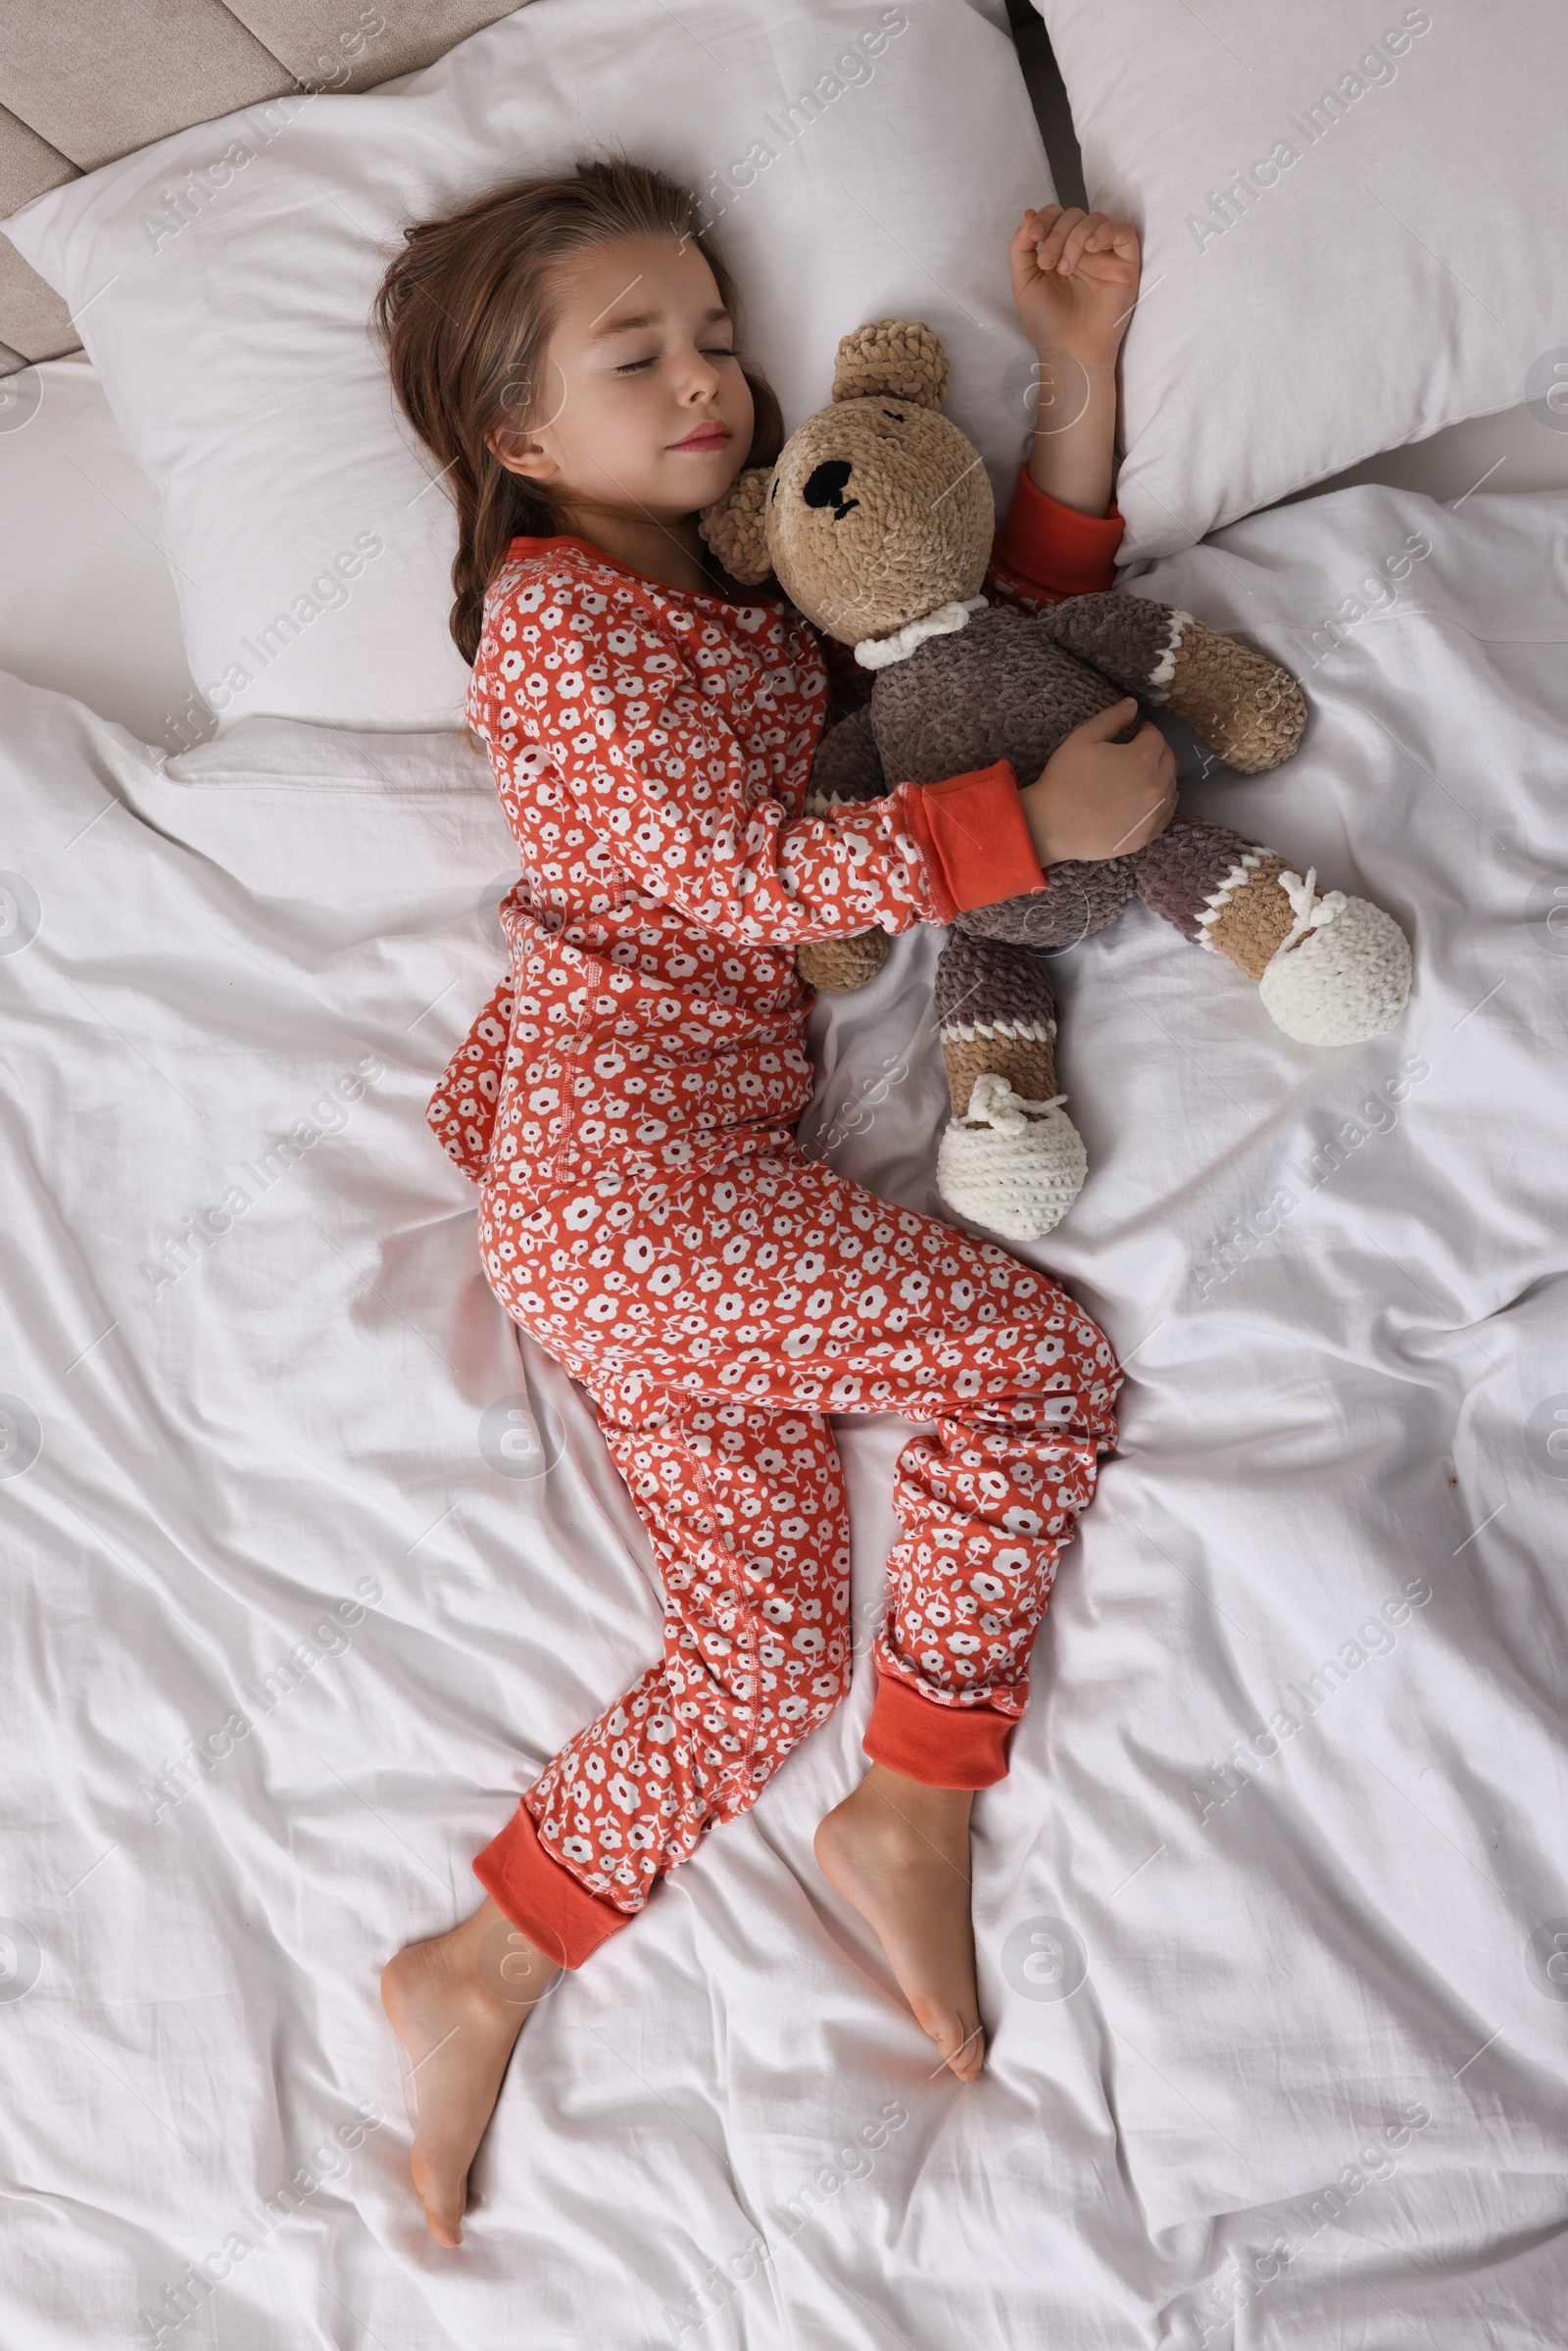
(636, 366)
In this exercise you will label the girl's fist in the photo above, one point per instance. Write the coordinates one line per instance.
(1075, 281)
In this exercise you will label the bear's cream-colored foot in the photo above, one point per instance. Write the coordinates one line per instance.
(1342, 974)
(1331, 970)
(1011, 1164)
(900, 1854)
(457, 2004)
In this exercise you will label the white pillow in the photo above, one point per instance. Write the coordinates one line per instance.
(222, 280)
(1404, 271)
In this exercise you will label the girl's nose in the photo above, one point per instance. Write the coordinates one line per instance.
(702, 381)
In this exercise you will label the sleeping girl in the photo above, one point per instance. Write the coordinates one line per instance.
(626, 1103)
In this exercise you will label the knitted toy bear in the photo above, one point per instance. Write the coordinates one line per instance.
(877, 521)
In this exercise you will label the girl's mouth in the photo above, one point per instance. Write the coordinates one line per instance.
(705, 437)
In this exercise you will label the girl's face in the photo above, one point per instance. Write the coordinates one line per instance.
(644, 409)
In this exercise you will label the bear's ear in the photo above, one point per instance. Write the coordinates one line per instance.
(903, 357)
(735, 526)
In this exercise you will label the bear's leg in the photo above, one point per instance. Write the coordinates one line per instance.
(1012, 1159)
(1331, 970)
(838, 966)
(1238, 701)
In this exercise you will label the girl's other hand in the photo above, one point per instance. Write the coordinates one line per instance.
(1075, 280)
(1097, 798)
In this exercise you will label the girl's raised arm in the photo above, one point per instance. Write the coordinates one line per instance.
(1075, 283)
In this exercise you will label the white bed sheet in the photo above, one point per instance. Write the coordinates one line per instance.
(1357, 1942)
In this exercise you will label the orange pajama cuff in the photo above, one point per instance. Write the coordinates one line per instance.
(559, 1918)
(976, 841)
(1046, 551)
(939, 1746)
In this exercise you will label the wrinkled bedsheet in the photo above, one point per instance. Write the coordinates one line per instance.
(310, 1562)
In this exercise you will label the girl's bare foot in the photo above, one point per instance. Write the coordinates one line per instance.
(900, 1852)
(456, 2005)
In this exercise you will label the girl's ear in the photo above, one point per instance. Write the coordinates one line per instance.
(735, 526)
(902, 358)
(520, 454)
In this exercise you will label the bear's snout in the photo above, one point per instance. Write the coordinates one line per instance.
(825, 486)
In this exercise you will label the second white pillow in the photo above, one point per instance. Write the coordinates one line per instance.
(1352, 232)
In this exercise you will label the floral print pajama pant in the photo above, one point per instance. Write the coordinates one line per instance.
(716, 1317)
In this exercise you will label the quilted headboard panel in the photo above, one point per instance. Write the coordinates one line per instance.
(82, 81)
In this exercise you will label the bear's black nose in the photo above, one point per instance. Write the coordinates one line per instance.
(826, 487)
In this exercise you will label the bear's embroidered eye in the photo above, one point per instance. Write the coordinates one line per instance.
(895, 414)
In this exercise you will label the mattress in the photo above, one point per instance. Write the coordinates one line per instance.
(1270, 1914)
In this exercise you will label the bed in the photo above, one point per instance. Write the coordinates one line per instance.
(311, 1561)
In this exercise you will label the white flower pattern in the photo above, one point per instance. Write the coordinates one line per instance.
(625, 1103)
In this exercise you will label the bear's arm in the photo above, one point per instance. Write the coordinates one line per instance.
(847, 765)
(1238, 701)
(1131, 640)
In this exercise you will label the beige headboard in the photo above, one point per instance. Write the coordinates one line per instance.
(82, 81)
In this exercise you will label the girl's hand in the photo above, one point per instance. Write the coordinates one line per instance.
(1075, 280)
(1095, 798)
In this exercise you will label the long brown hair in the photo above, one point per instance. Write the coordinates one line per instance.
(466, 310)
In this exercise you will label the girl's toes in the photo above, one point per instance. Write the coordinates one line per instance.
(960, 2044)
(444, 2203)
(443, 2228)
(968, 2059)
